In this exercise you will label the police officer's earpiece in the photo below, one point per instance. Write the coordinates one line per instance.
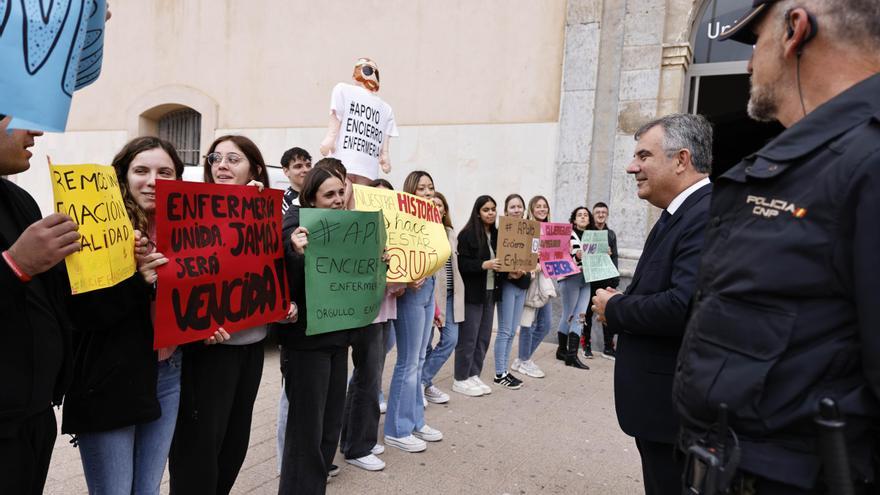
(814, 28)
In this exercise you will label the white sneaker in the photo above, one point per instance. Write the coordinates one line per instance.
(436, 396)
(369, 462)
(467, 387)
(531, 369)
(515, 366)
(377, 449)
(485, 388)
(408, 443)
(383, 406)
(424, 400)
(428, 434)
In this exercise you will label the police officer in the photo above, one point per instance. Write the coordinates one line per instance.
(787, 309)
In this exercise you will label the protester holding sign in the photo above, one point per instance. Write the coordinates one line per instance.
(477, 244)
(360, 425)
(122, 402)
(316, 365)
(531, 336)
(513, 294)
(361, 125)
(600, 217)
(405, 426)
(219, 382)
(575, 294)
(449, 296)
(35, 356)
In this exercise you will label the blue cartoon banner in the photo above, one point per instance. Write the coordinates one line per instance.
(48, 50)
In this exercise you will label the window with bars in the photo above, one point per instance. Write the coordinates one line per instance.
(182, 128)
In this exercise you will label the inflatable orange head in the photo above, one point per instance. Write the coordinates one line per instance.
(366, 72)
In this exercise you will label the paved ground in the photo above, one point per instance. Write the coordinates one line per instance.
(555, 435)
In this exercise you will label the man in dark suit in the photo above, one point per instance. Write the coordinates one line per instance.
(671, 166)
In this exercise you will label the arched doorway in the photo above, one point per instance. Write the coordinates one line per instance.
(718, 85)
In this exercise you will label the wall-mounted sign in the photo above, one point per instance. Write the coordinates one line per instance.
(717, 15)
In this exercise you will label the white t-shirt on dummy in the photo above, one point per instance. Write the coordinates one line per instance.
(365, 123)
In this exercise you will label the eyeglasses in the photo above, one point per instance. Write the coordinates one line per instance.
(217, 158)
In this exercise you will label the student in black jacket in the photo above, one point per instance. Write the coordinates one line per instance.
(123, 399)
(316, 365)
(35, 355)
(478, 265)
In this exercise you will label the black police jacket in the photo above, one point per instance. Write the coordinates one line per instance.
(787, 309)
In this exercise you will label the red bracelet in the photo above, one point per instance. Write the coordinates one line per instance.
(24, 277)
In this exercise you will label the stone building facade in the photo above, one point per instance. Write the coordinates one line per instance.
(492, 96)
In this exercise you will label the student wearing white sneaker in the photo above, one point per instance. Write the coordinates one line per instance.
(513, 297)
(316, 365)
(531, 336)
(405, 426)
(478, 264)
(449, 296)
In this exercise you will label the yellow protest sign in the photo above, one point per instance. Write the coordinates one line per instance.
(90, 195)
(417, 242)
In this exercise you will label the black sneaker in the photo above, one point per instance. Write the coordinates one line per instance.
(334, 470)
(508, 381)
(608, 353)
(588, 352)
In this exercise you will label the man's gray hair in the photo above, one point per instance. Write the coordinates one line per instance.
(854, 23)
(685, 131)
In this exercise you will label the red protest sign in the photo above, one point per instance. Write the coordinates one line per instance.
(225, 260)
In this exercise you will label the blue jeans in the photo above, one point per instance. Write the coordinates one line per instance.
(281, 427)
(531, 337)
(436, 357)
(575, 298)
(415, 315)
(132, 459)
(513, 300)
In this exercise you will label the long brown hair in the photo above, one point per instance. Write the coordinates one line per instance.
(534, 202)
(121, 163)
(447, 220)
(251, 152)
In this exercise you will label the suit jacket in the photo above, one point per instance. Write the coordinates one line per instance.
(650, 321)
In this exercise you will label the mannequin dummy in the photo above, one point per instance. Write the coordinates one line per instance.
(360, 125)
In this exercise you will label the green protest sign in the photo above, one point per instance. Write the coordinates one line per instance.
(345, 274)
(596, 262)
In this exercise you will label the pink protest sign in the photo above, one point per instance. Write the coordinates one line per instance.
(556, 261)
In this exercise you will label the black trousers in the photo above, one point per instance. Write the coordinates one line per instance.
(218, 387)
(607, 335)
(315, 386)
(474, 334)
(25, 456)
(661, 468)
(360, 423)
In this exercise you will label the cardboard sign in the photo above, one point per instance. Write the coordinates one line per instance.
(519, 242)
(556, 260)
(345, 274)
(596, 261)
(417, 241)
(225, 260)
(48, 50)
(90, 195)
